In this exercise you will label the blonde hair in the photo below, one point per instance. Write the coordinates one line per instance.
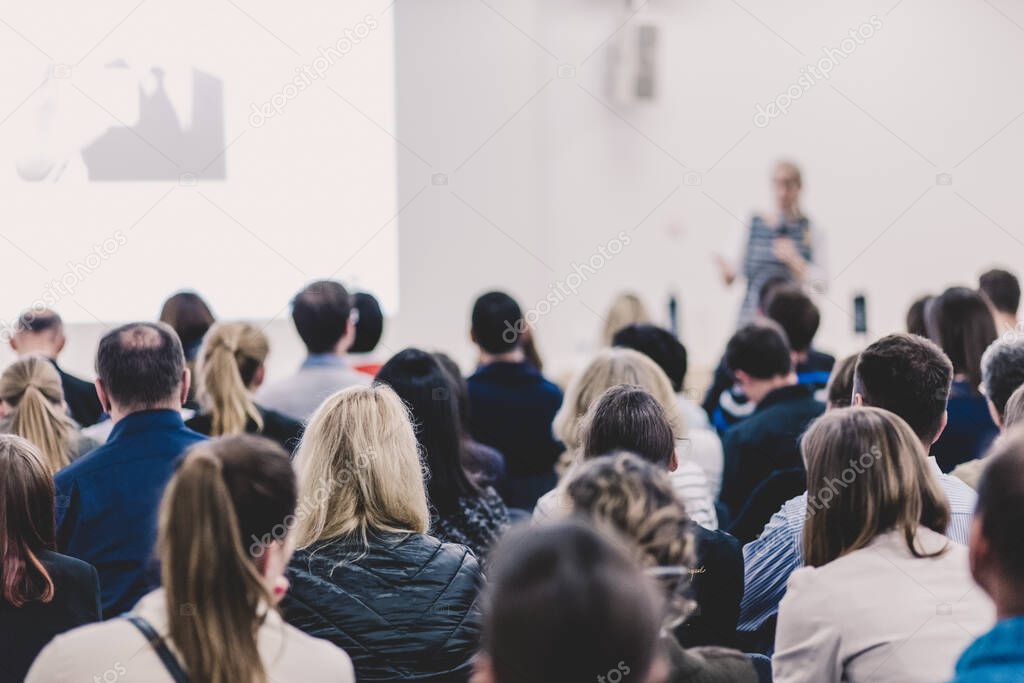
(229, 358)
(867, 474)
(627, 308)
(359, 469)
(226, 492)
(31, 386)
(609, 368)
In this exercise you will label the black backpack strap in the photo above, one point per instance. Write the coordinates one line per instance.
(166, 656)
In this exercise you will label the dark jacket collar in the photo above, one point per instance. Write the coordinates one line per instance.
(146, 421)
(787, 394)
(509, 368)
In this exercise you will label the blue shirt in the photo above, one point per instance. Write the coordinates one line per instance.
(107, 503)
(996, 657)
(769, 560)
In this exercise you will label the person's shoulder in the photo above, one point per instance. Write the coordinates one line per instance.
(96, 459)
(962, 498)
(65, 567)
(93, 647)
(322, 660)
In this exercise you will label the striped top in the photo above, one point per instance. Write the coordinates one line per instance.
(769, 560)
(760, 263)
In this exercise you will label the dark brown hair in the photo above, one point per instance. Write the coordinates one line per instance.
(840, 382)
(190, 317)
(961, 323)
(26, 522)
(627, 418)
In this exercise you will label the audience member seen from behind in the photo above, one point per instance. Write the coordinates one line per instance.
(543, 623)
(110, 521)
(41, 333)
(461, 512)
(223, 547)
(484, 465)
(190, 317)
(910, 377)
(325, 319)
(612, 367)
(42, 593)
(231, 366)
(1001, 290)
(369, 330)
(634, 498)
(702, 444)
(32, 406)
(511, 404)
(766, 443)
(627, 308)
(799, 318)
(839, 391)
(915, 317)
(997, 564)
(1002, 373)
(879, 569)
(961, 323)
(367, 576)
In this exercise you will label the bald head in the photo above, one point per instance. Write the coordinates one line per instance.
(141, 366)
(38, 331)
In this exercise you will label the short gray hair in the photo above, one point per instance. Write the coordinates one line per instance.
(1002, 369)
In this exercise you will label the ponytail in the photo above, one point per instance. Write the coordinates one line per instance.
(230, 356)
(32, 386)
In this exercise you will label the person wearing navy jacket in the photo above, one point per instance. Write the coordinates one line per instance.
(107, 501)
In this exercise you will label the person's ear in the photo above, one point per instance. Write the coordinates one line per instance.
(14, 343)
(942, 426)
(858, 400)
(483, 670)
(58, 343)
(101, 394)
(5, 408)
(742, 378)
(258, 377)
(997, 419)
(186, 383)
(978, 551)
(673, 462)
(472, 335)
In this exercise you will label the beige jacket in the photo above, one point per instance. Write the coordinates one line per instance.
(115, 650)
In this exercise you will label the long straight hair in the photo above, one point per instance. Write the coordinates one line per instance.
(226, 365)
(31, 386)
(420, 381)
(217, 517)
(961, 323)
(26, 522)
(359, 469)
(867, 474)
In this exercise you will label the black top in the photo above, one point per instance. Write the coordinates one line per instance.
(276, 426)
(716, 584)
(766, 441)
(83, 403)
(26, 630)
(477, 524)
(404, 609)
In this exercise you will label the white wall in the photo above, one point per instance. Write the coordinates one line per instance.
(559, 174)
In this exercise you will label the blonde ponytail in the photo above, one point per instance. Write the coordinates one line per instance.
(31, 386)
(230, 355)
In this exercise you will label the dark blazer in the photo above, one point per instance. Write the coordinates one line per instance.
(969, 430)
(512, 407)
(404, 610)
(716, 585)
(83, 403)
(276, 427)
(107, 503)
(25, 630)
(766, 441)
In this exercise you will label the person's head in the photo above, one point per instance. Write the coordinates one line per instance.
(370, 325)
(798, 316)
(608, 368)
(659, 345)
(38, 331)
(767, 290)
(961, 323)
(1002, 371)
(1013, 413)
(759, 358)
(322, 313)
(497, 324)
(907, 375)
(140, 366)
(224, 545)
(32, 399)
(426, 389)
(190, 317)
(915, 317)
(359, 467)
(566, 604)
(840, 383)
(627, 308)
(228, 368)
(627, 418)
(27, 524)
(635, 499)
(997, 555)
(867, 474)
(1002, 289)
(787, 182)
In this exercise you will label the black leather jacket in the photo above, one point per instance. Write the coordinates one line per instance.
(405, 609)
